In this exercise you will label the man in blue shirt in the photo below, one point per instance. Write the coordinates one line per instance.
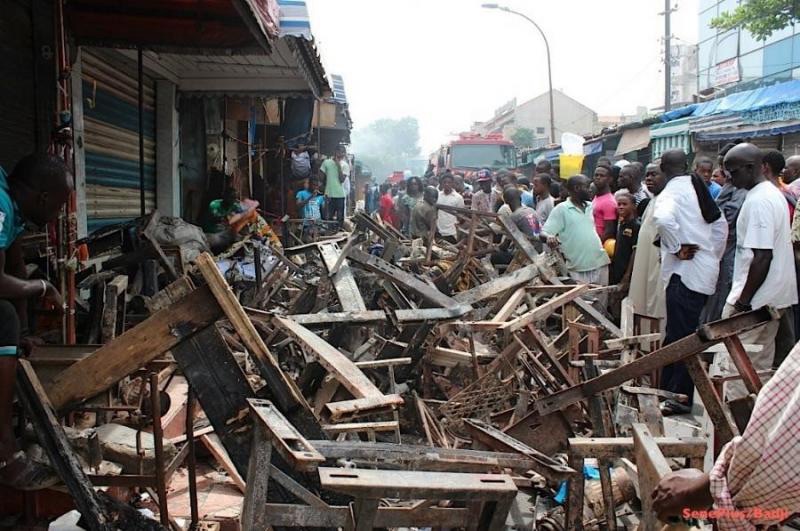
(34, 192)
(310, 204)
(704, 168)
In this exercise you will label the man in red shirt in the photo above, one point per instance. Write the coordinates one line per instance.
(386, 205)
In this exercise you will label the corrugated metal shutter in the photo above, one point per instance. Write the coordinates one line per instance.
(111, 125)
(766, 142)
(17, 88)
(791, 145)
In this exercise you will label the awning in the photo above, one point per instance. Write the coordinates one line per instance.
(745, 131)
(293, 69)
(633, 140)
(294, 20)
(748, 100)
(592, 148)
(243, 26)
(670, 135)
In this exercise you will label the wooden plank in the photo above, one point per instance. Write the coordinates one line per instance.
(496, 439)
(342, 279)
(363, 406)
(376, 484)
(170, 294)
(680, 350)
(360, 427)
(622, 447)
(418, 457)
(608, 494)
(327, 318)
(255, 496)
(544, 310)
(345, 371)
(221, 388)
(742, 362)
(651, 467)
(510, 306)
(284, 437)
(498, 285)
(283, 389)
(575, 495)
(54, 441)
(724, 426)
(134, 349)
(630, 341)
(403, 278)
(214, 445)
(291, 515)
(111, 310)
(650, 414)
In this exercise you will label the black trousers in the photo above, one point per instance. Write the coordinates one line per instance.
(683, 318)
(9, 329)
(336, 209)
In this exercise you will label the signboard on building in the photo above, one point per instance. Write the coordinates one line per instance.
(725, 73)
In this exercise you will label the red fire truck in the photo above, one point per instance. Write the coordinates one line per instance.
(471, 152)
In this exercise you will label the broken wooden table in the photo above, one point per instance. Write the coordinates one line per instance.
(685, 350)
(605, 450)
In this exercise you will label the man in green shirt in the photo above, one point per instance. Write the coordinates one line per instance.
(570, 227)
(331, 173)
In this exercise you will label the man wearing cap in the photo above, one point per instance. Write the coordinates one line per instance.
(482, 199)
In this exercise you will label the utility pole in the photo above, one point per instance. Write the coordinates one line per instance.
(667, 56)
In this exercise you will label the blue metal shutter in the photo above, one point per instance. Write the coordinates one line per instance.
(111, 125)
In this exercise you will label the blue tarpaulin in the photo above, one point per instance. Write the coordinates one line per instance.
(748, 100)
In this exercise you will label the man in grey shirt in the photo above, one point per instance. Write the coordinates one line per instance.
(543, 201)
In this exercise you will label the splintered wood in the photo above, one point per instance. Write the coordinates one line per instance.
(406, 353)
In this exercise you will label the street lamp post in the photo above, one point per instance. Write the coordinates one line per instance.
(549, 69)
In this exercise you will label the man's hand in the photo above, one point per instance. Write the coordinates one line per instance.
(687, 251)
(683, 489)
(27, 344)
(552, 241)
(52, 295)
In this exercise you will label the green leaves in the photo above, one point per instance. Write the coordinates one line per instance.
(760, 17)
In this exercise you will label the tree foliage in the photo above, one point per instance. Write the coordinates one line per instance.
(387, 145)
(760, 17)
(523, 137)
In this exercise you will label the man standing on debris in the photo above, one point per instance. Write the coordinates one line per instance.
(35, 192)
(763, 271)
(423, 217)
(692, 236)
(482, 200)
(310, 204)
(331, 172)
(447, 222)
(604, 206)
(571, 228)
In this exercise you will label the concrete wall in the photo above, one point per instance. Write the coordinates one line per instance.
(571, 116)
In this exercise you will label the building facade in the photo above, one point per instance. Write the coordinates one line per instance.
(570, 116)
(734, 60)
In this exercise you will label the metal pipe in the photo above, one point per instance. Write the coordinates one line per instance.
(667, 57)
(140, 90)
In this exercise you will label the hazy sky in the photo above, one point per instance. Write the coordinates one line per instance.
(450, 62)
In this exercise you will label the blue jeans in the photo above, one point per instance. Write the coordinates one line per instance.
(683, 318)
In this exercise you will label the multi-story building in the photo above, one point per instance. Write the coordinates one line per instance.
(570, 116)
(734, 60)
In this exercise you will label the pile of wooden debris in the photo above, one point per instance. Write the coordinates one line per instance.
(378, 382)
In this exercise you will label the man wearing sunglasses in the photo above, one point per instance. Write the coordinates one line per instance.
(34, 192)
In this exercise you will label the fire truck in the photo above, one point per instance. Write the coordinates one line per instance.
(470, 152)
